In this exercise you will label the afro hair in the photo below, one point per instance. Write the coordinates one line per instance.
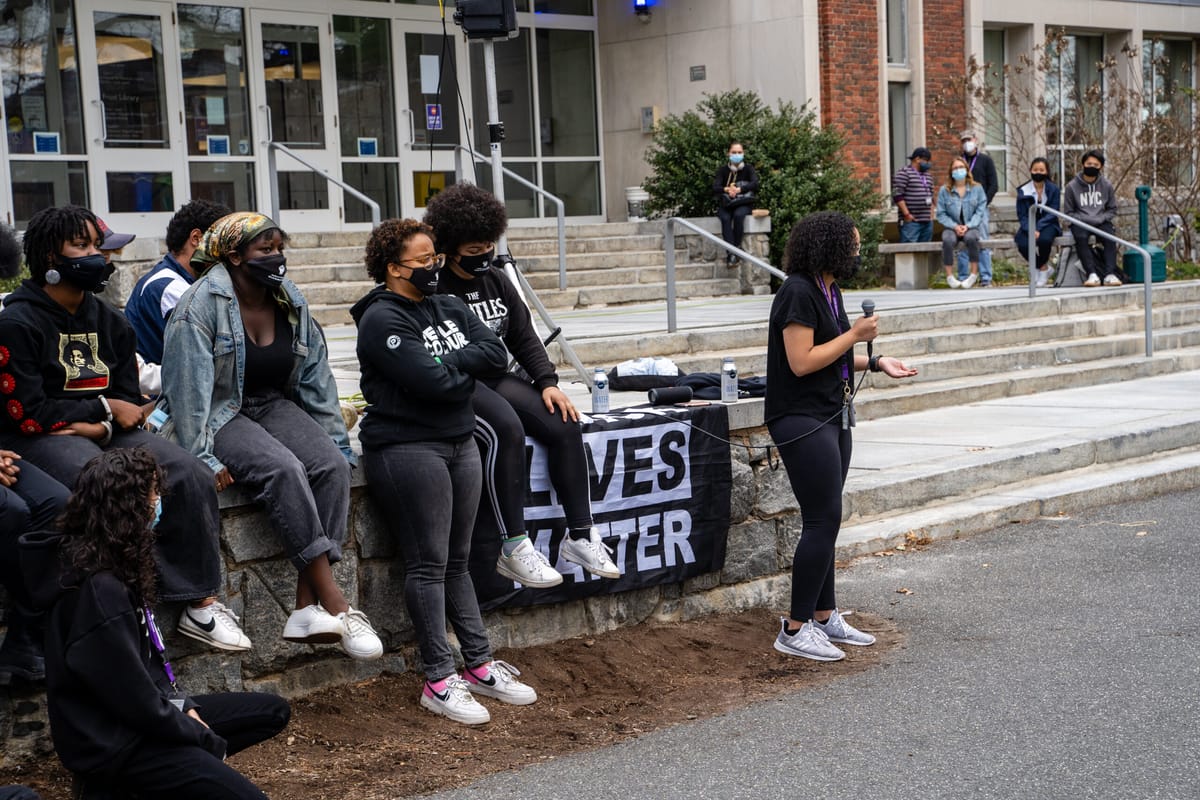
(387, 243)
(462, 214)
(821, 242)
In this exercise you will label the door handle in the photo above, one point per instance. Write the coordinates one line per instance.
(412, 127)
(270, 130)
(103, 121)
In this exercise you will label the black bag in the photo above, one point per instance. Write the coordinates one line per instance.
(744, 199)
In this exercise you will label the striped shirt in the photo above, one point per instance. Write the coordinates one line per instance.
(915, 188)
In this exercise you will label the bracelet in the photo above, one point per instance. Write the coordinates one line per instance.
(873, 364)
(107, 408)
(108, 433)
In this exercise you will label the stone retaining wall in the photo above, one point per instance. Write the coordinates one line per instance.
(260, 587)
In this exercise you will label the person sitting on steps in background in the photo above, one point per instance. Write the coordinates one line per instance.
(1091, 199)
(735, 186)
(1039, 189)
(961, 206)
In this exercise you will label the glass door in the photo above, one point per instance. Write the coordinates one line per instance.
(431, 125)
(133, 117)
(291, 65)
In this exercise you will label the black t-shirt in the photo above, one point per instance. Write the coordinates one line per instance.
(268, 367)
(818, 394)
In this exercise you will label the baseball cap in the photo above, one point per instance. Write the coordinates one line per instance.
(111, 239)
(967, 134)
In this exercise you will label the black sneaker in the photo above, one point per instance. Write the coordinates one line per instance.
(21, 654)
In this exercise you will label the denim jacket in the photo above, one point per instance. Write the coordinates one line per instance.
(204, 366)
(973, 206)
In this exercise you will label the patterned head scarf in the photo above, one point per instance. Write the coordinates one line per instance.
(227, 235)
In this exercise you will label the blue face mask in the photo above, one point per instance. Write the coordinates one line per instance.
(959, 174)
(735, 158)
(157, 512)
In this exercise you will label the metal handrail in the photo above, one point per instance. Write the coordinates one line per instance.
(513, 271)
(273, 176)
(1147, 278)
(669, 243)
(459, 149)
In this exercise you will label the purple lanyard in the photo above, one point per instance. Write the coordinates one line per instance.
(925, 182)
(156, 641)
(971, 168)
(831, 299)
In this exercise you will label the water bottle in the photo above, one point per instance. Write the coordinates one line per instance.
(729, 381)
(600, 391)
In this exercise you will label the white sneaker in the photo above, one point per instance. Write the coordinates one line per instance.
(808, 642)
(591, 553)
(312, 625)
(953, 282)
(528, 566)
(359, 639)
(455, 702)
(502, 684)
(1043, 277)
(1092, 280)
(970, 281)
(1112, 280)
(836, 629)
(215, 625)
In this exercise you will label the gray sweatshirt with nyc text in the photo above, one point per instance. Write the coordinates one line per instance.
(1094, 203)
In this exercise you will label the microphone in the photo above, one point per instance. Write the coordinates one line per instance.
(868, 307)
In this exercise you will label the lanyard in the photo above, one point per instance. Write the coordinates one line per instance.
(972, 167)
(831, 299)
(156, 641)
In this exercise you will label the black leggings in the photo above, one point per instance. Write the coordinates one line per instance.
(816, 467)
(506, 410)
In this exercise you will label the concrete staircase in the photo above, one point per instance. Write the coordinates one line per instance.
(607, 264)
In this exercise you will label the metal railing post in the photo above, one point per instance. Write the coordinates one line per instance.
(272, 168)
(273, 178)
(563, 345)
(562, 244)
(669, 243)
(1032, 248)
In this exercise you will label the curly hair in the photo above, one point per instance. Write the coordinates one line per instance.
(48, 230)
(821, 242)
(464, 213)
(10, 252)
(387, 242)
(107, 519)
(196, 215)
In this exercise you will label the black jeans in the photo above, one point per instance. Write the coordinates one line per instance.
(187, 543)
(1044, 243)
(31, 504)
(506, 410)
(295, 470)
(733, 222)
(1102, 268)
(428, 493)
(181, 772)
(816, 467)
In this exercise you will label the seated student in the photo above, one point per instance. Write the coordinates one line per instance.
(466, 221)
(961, 208)
(1039, 189)
(154, 296)
(248, 388)
(1091, 199)
(118, 719)
(29, 500)
(420, 354)
(69, 378)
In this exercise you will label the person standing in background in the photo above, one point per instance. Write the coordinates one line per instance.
(983, 172)
(912, 191)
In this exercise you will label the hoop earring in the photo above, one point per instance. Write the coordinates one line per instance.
(53, 277)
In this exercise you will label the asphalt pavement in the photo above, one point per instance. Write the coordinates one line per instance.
(1054, 659)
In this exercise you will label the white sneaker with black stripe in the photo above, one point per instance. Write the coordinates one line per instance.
(454, 702)
(501, 683)
(215, 625)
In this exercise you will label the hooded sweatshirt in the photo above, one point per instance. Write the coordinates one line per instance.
(54, 365)
(498, 305)
(106, 687)
(419, 361)
(1092, 203)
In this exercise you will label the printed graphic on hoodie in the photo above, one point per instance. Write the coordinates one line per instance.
(1091, 198)
(443, 338)
(491, 311)
(78, 353)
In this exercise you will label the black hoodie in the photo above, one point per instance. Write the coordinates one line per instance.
(54, 365)
(498, 305)
(419, 361)
(106, 688)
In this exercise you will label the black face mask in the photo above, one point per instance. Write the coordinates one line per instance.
(89, 273)
(848, 272)
(426, 280)
(1038, 177)
(1091, 172)
(268, 270)
(477, 265)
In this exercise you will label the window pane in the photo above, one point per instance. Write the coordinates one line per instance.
(897, 32)
(140, 192)
(577, 183)
(898, 124)
(303, 190)
(562, 6)
(292, 65)
(41, 80)
(363, 50)
(993, 55)
(215, 101)
(132, 89)
(227, 182)
(43, 184)
(567, 93)
(380, 182)
(519, 200)
(514, 93)
(428, 60)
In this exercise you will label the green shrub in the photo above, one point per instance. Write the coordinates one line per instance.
(9, 284)
(799, 165)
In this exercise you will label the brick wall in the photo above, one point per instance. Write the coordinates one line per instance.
(850, 77)
(945, 59)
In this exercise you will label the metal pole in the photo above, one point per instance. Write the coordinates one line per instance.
(495, 130)
(670, 234)
(562, 245)
(273, 182)
(1032, 248)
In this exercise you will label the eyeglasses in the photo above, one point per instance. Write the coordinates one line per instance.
(431, 263)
